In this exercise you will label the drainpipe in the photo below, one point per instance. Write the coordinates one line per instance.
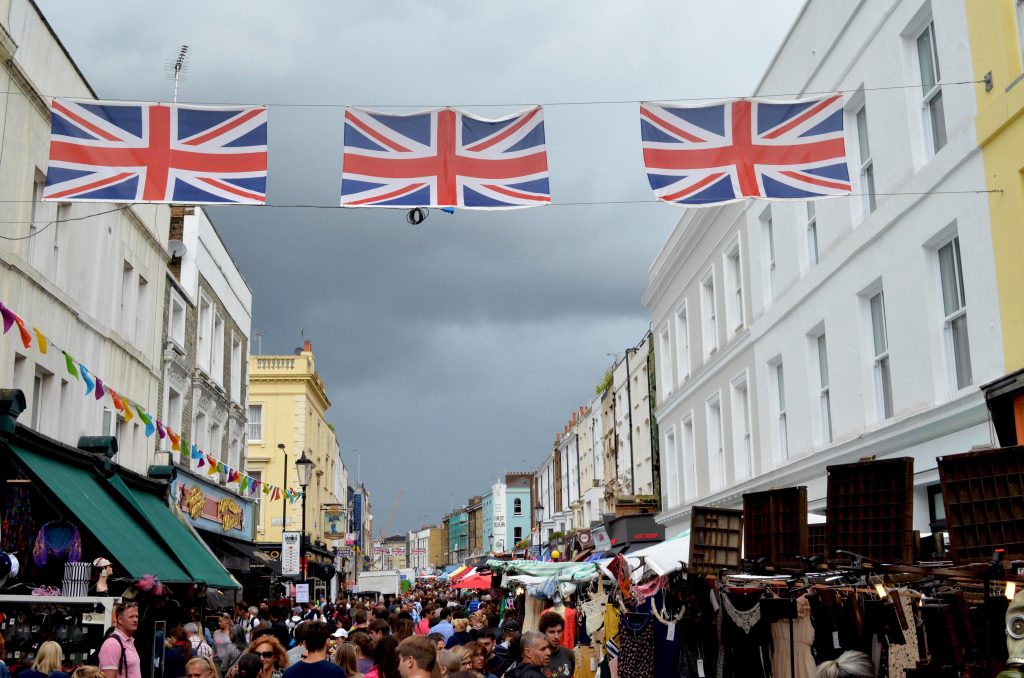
(629, 406)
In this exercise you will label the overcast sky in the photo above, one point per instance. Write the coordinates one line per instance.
(454, 350)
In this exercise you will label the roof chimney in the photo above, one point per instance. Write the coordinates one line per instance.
(307, 346)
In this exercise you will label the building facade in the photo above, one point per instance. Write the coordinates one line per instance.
(795, 335)
(457, 524)
(207, 321)
(506, 512)
(94, 287)
(287, 406)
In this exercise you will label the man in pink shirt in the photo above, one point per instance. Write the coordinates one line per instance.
(118, 656)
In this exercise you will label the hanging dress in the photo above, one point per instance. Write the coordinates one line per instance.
(636, 646)
(803, 639)
(746, 637)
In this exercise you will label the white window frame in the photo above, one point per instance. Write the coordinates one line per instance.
(665, 369)
(954, 318)
(780, 444)
(175, 330)
(768, 231)
(688, 452)
(715, 443)
(236, 367)
(824, 385)
(813, 253)
(732, 263)
(881, 359)
(204, 332)
(254, 430)
(867, 163)
(141, 310)
(742, 434)
(126, 323)
(517, 506)
(217, 348)
(672, 488)
(934, 138)
(682, 323)
(173, 415)
(709, 313)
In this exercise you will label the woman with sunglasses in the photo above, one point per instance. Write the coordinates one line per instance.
(272, 654)
(201, 667)
(478, 659)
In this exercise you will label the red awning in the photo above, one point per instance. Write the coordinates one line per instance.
(474, 581)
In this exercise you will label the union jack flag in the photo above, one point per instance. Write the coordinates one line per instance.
(444, 158)
(141, 152)
(708, 154)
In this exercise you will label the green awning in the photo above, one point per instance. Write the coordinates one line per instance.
(178, 537)
(101, 513)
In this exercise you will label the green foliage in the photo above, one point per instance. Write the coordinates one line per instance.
(606, 383)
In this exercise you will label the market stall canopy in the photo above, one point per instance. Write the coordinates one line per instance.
(179, 538)
(135, 527)
(538, 568)
(476, 580)
(461, 574)
(666, 557)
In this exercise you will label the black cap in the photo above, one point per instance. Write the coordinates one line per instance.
(510, 627)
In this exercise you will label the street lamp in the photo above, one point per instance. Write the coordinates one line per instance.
(284, 483)
(538, 513)
(304, 469)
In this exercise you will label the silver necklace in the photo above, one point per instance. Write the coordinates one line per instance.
(745, 619)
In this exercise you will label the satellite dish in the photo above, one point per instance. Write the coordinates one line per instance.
(176, 248)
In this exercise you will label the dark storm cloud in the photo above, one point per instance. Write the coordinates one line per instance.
(456, 349)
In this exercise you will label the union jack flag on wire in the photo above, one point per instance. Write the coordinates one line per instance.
(444, 158)
(708, 154)
(143, 152)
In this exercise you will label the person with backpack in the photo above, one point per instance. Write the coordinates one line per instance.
(118, 657)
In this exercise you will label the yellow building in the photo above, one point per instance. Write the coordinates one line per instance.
(997, 48)
(287, 404)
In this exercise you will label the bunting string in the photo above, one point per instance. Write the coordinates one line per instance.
(98, 389)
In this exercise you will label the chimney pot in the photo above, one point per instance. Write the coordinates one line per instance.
(307, 346)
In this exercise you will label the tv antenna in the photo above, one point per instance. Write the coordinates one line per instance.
(177, 69)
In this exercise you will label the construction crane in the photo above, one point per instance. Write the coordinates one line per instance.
(387, 528)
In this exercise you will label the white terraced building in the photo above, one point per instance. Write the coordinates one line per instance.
(791, 336)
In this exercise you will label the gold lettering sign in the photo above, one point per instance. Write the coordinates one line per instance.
(195, 502)
(229, 513)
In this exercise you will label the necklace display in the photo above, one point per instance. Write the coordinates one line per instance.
(745, 619)
(663, 615)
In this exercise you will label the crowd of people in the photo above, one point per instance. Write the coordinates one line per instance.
(424, 634)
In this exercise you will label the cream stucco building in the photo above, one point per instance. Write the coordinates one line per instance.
(287, 406)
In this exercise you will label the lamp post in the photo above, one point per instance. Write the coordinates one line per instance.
(284, 483)
(538, 513)
(304, 469)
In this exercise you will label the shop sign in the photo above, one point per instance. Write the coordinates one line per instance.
(334, 522)
(214, 508)
(499, 527)
(357, 517)
(290, 555)
(350, 539)
(302, 593)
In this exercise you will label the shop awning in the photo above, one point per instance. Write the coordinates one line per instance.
(180, 539)
(254, 555)
(124, 537)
